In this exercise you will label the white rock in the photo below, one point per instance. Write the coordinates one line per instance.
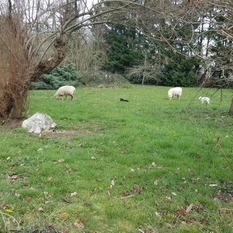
(39, 122)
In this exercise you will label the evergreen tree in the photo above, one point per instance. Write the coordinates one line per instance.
(180, 71)
(124, 49)
(60, 76)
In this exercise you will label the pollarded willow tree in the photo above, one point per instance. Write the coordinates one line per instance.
(33, 40)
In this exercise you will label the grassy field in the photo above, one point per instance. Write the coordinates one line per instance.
(148, 165)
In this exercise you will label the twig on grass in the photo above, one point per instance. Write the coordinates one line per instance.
(218, 145)
(4, 215)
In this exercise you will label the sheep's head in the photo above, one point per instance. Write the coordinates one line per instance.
(169, 95)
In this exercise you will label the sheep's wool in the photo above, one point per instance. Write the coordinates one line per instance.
(39, 122)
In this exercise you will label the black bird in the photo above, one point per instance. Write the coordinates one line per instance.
(123, 100)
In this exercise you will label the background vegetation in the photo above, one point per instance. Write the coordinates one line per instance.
(60, 76)
(171, 43)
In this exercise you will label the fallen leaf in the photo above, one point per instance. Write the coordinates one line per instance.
(63, 215)
(66, 200)
(155, 182)
(167, 199)
(13, 176)
(225, 210)
(189, 208)
(137, 189)
(110, 187)
(67, 168)
(79, 223)
(157, 214)
(153, 164)
(17, 194)
(13, 165)
(40, 209)
(99, 151)
(73, 194)
(218, 142)
(127, 193)
(129, 196)
(213, 185)
(28, 198)
(59, 161)
(181, 212)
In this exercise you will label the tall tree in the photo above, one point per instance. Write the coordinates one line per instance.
(124, 48)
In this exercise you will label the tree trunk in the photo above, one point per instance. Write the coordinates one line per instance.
(231, 108)
(18, 69)
(48, 65)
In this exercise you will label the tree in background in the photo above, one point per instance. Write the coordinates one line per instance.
(124, 48)
(60, 76)
(152, 44)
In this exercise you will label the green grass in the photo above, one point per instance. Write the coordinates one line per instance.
(135, 166)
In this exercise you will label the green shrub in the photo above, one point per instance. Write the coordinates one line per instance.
(181, 71)
(60, 76)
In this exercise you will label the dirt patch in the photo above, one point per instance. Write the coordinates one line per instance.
(225, 195)
(10, 123)
(84, 129)
(65, 133)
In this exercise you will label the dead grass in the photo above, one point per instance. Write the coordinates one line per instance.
(10, 123)
(65, 133)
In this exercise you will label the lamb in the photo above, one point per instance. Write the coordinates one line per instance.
(65, 91)
(175, 91)
(204, 99)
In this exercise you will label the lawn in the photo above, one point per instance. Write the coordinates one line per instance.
(148, 165)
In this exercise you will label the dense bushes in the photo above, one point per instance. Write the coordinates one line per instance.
(180, 71)
(143, 61)
(123, 49)
(62, 75)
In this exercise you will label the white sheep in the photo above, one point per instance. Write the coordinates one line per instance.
(65, 91)
(204, 99)
(175, 91)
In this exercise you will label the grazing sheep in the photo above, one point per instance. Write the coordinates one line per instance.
(65, 91)
(175, 91)
(204, 99)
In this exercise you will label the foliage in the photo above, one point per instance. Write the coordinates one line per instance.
(146, 61)
(137, 165)
(144, 75)
(103, 78)
(124, 48)
(180, 71)
(60, 76)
